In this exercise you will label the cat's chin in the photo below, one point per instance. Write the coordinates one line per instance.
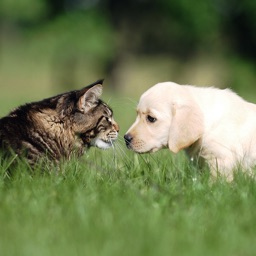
(101, 144)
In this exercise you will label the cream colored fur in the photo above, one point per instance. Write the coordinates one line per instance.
(211, 124)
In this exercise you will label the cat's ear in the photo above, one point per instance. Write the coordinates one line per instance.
(88, 96)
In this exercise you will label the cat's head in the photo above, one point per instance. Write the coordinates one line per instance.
(91, 119)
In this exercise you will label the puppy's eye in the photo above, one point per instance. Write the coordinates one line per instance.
(151, 119)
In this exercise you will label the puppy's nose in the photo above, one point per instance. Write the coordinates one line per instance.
(128, 138)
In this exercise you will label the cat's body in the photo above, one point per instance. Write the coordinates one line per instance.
(59, 127)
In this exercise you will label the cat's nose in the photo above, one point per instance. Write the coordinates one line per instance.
(116, 126)
(128, 138)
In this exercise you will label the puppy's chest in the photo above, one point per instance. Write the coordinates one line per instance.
(197, 154)
(196, 150)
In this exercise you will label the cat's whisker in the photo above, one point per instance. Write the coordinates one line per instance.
(132, 101)
(109, 100)
(121, 156)
(113, 146)
(124, 101)
(121, 150)
(122, 153)
(114, 154)
(120, 140)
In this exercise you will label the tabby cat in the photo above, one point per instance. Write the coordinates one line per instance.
(59, 127)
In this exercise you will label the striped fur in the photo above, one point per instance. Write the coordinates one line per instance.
(59, 127)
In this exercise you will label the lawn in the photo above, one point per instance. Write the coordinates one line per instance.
(117, 203)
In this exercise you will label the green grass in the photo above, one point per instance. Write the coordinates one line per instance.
(119, 203)
(111, 203)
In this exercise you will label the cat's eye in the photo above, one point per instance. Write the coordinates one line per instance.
(108, 119)
(151, 119)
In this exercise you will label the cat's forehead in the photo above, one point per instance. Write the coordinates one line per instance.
(106, 109)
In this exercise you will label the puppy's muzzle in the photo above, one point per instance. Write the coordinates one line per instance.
(128, 139)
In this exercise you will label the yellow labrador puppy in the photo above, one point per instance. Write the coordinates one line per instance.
(213, 125)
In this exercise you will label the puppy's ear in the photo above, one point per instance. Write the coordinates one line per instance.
(186, 126)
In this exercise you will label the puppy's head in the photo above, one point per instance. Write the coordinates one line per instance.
(166, 117)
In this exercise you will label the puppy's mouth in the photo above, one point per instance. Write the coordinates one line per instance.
(128, 145)
(137, 145)
(140, 150)
(153, 150)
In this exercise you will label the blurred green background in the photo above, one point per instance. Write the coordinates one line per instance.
(150, 204)
(50, 46)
